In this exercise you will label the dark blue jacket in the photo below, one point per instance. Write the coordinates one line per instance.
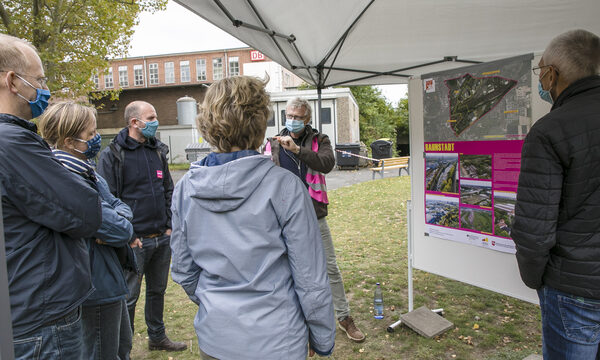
(47, 211)
(138, 174)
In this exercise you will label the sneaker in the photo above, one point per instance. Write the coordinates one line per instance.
(351, 330)
(166, 344)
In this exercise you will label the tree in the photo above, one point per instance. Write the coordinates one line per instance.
(377, 117)
(75, 38)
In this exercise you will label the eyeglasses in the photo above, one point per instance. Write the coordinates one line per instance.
(42, 81)
(536, 70)
(294, 117)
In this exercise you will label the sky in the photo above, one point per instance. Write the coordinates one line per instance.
(179, 30)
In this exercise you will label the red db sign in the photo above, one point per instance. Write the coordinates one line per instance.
(256, 55)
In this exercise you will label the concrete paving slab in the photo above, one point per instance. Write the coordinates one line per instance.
(534, 357)
(426, 322)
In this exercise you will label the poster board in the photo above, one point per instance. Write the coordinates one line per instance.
(469, 261)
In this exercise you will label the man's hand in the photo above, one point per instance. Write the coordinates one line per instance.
(288, 143)
(311, 352)
(168, 232)
(136, 243)
(100, 242)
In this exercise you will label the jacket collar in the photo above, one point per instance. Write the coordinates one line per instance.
(576, 88)
(12, 119)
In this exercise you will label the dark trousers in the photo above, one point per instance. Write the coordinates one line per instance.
(106, 331)
(153, 261)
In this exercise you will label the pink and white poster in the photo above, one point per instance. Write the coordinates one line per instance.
(474, 125)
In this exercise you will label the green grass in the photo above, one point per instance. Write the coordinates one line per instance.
(368, 223)
(181, 166)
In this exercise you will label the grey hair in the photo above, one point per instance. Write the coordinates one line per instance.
(298, 103)
(12, 57)
(575, 54)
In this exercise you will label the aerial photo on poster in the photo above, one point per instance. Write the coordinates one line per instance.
(473, 192)
(441, 173)
(504, 212)
(476, 166)
(488, 101)
(441, 210)
(476, 219)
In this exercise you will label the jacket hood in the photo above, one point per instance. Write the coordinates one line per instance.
(225, 187)
(127, 142)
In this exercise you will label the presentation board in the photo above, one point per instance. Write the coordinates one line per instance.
(467, 127)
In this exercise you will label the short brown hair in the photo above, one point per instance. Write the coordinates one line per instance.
(234, 113)
(66, 119)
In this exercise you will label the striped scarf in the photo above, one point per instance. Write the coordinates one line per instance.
(73, 164)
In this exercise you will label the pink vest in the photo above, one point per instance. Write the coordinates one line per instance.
(315, 180)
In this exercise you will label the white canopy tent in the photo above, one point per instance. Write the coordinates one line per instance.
(376, 42)
(352, 42)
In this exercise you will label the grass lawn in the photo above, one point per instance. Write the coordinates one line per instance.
(368, 223)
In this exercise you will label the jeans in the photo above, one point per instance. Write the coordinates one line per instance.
(570, 325)
(103, 331)
(61, 339)
(340, 303)
(153, 260)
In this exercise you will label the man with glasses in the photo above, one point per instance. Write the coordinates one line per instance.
(308, 154)
(136, 169)
(557, 217)
(46, 212)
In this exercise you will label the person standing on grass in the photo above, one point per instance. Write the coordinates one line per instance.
(47, 212)
(247, 256)
(70, 128)
(308, 154)
(557, 216)
(136, 169)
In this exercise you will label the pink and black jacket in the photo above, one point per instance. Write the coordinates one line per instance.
(317, 154)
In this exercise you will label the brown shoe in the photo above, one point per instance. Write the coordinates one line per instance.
(166, 344)
(351, 330)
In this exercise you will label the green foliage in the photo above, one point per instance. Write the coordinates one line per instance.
(75, 37)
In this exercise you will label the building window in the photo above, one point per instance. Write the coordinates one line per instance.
(217, 68)
(169, 72)
(138, 75)
(234, 66)
(201, 69)
(184, 70)
(96, 80)
(325, 115)
(108, 78)
(123, 77)
(153, 73)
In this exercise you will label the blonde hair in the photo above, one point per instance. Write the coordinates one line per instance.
(63, 120)
(234, 113)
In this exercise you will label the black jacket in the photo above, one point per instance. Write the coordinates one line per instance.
(138, 174)
(557, 223)
(47, 210)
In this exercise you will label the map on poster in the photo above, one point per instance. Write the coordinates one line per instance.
(475, 120)
(489, 101)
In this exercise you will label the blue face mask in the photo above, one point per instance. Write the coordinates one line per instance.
(41, 100)
(93, 146)
(294, 126)
(150, 130)
(545, 94)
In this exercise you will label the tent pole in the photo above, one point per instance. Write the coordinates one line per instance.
(319, 108)
(409, 241)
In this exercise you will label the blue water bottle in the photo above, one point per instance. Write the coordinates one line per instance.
(378, 303)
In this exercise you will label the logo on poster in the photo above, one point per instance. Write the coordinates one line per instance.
(256, 55)
(429, 85)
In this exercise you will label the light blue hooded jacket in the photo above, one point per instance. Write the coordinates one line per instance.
(247, 249)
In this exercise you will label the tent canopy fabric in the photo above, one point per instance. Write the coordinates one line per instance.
(354, 42)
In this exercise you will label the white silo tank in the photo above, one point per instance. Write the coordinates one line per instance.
(187, 109)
